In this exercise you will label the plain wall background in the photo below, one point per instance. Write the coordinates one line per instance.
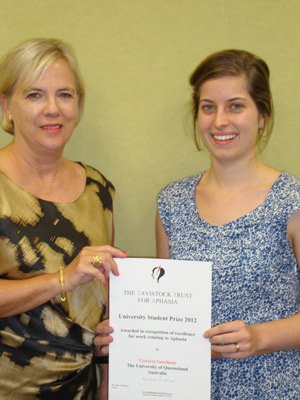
(136, 57)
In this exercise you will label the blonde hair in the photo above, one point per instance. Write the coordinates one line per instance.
(26, 63)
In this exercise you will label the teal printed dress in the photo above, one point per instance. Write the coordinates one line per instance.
(255, 279)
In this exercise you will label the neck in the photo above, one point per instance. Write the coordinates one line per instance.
(40, 165)
(228, 175)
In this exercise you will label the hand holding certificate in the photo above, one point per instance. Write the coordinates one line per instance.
(159, 310)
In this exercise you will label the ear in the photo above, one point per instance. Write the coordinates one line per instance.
(262, 121)
(4, 103)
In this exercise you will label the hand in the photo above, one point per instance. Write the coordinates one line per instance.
(233, 340)
(82, 269)
(103, 338)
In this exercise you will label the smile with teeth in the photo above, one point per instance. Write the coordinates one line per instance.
(224, 137)
(58, 126)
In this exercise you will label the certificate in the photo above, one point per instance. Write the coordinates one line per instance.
(159, 310)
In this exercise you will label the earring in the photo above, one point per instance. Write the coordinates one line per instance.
(9, 117)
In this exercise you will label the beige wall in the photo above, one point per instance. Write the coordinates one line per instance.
(136, 56)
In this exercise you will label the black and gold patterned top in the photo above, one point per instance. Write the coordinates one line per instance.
(46, 353)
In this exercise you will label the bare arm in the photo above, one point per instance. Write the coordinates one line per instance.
(162, 240)
(101, 342)
(285, 333)
(262, 338)
(17, 296)
(294, 235)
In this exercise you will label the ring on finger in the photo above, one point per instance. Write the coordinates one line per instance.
(237, 348)
(97, 260)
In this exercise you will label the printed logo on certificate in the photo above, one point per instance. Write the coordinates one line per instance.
(159, 310)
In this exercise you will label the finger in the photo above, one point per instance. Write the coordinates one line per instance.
(104, 330)
(216, 330)
(104, 351)
(100, 340)
(105, 263)
(236, 355)
(97, 274)
(100, 272)
(102, 324)
(233, 356)
(227, 348)
(227, 338)
(109, 265)
(226, 327)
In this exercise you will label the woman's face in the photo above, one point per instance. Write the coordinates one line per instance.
(45, 113)
(228, 118)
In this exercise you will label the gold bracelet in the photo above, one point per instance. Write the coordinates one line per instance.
(62, 285)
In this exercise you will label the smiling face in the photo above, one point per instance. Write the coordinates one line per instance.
(228, 118)
(45, 113)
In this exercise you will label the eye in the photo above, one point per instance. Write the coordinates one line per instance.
(65, 95)
(34, 95)
(236, 106)
(208, 108)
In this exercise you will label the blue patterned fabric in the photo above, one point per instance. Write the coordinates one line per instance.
(255, 279)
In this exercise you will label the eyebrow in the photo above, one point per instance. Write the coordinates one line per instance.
(37, 89)
(232, 99)
(68, 88)
(29, 88)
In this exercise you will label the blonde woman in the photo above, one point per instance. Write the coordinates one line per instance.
(56, 228)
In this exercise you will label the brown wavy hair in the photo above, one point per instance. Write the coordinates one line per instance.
(237, 63)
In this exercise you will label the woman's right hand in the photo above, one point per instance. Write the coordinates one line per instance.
(18, 296)
(94, 262)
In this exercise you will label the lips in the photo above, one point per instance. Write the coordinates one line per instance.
(53, 128)
(224, 137)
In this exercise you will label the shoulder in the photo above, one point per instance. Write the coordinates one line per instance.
(176, 199)
(287, 187)
(177, 196)
(285, 196)
(180, 188)
(97, 183)
(289, 180)
(96, 177)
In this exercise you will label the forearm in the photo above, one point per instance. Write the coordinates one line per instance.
(18, 296)
(279, 334)
(103, 388)
(103, 369)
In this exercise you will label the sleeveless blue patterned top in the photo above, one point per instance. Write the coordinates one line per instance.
(255, 279)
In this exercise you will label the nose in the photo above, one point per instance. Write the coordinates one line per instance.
(221, 118)
(51, 106)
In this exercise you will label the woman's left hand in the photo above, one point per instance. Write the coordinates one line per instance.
(103, 338)
(234, 339)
